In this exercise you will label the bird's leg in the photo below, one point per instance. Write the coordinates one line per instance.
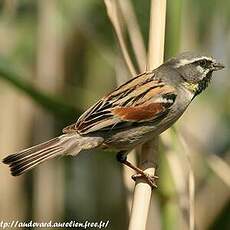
(121, 157)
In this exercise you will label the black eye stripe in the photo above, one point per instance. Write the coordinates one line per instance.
(204, 63)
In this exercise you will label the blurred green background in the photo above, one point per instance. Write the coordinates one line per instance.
(57, 57)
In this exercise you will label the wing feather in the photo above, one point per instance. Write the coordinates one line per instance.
(141, 99)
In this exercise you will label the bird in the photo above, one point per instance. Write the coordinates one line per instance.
(138, 110)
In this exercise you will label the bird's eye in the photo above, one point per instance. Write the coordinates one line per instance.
(203, 63)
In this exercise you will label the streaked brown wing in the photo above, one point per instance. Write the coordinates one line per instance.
(141, 99)
(139, 113)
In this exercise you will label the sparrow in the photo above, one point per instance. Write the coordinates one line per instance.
(132, 114)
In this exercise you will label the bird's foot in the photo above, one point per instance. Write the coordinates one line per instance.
(151, 180)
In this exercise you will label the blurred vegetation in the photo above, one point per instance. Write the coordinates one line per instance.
(36, 106)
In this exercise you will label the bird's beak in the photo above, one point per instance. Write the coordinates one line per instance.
(218, 66)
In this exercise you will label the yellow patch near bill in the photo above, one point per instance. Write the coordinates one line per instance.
(191, 87)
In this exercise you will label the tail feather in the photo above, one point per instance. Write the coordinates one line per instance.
(69, 144)
(27, 159)
(17, 168)
(25, 155)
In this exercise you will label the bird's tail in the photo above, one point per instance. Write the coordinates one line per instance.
(66, 144)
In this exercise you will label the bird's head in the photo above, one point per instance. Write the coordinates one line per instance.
(195, 70)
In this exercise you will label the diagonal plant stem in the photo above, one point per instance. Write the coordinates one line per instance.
(112, 11)
(52, 104)
(220, 167)
(134, 33)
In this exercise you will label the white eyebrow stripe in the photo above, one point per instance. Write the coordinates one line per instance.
(186, 61)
